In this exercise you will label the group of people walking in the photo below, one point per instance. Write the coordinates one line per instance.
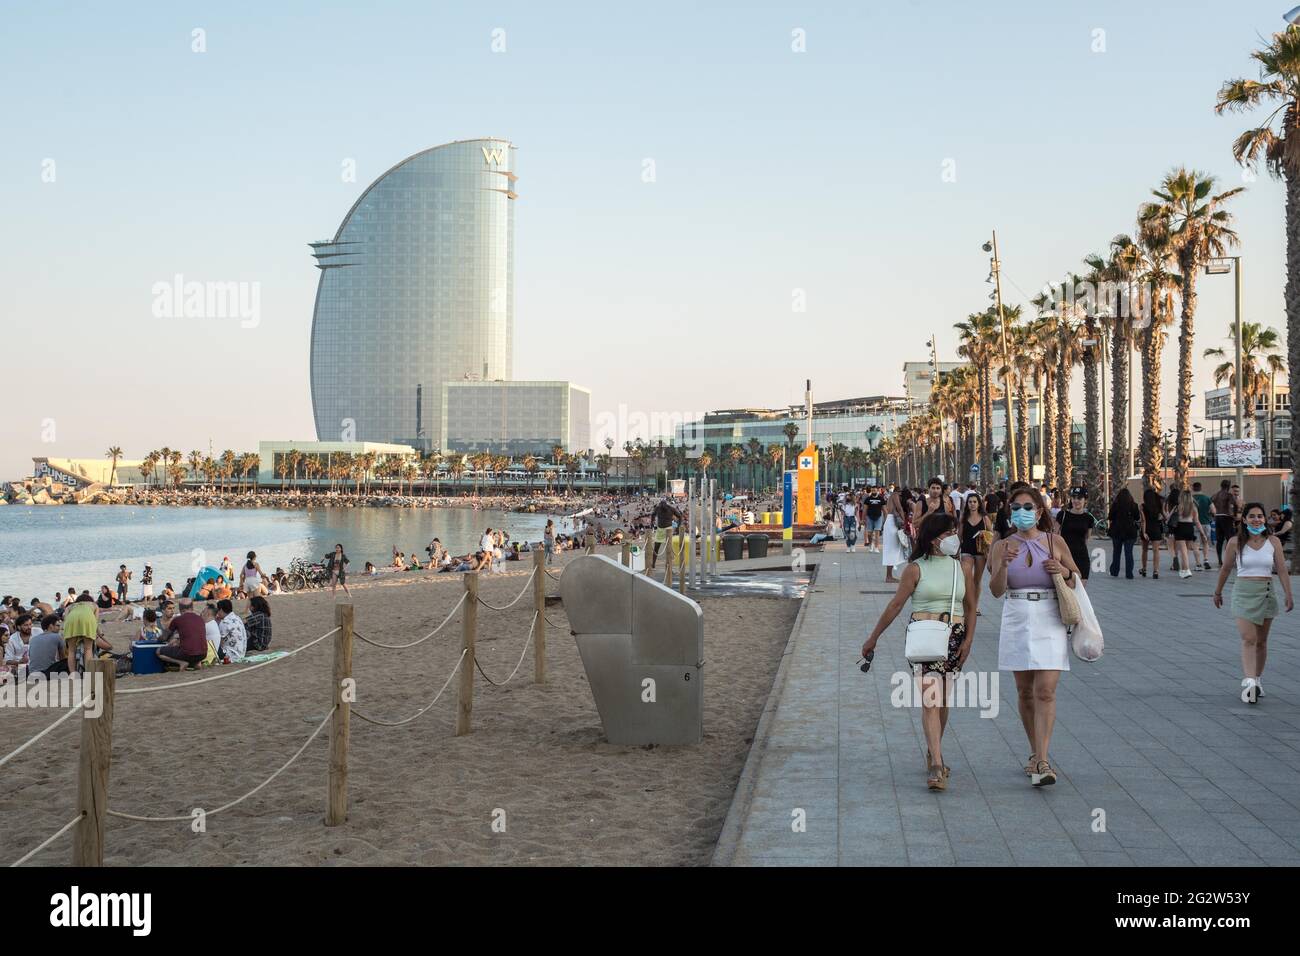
(937, 545)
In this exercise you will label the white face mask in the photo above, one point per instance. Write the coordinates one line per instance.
(950, 545)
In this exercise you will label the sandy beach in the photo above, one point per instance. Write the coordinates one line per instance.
(419, 794)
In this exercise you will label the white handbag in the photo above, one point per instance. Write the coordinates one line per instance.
(927, 641)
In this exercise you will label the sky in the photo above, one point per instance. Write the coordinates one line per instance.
(849, 158)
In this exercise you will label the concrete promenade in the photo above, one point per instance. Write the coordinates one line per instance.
(1159, 761)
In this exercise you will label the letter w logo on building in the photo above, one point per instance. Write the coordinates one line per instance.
(493, 157)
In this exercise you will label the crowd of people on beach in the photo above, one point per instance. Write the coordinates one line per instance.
(56, 637)
(937, 543)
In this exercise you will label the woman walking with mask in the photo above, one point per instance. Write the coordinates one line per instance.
(1257, 556)
(936, 582)
(1033, 642)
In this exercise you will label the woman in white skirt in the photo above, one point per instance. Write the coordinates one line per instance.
(1033, 643)
(891, 550)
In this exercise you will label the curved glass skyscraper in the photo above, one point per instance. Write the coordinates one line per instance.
(416, 289)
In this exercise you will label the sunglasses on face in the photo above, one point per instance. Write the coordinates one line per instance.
(1024, 507)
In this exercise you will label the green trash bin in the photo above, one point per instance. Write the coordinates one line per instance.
(733, 547)
(757, 545)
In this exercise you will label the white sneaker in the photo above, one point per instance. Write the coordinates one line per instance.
(1249, 690)
(1259, 686)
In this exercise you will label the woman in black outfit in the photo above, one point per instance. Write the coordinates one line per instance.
(974, 549)
(1153, 529)
(1076, 526)
(1124, 520)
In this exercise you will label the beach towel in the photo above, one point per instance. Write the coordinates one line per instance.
(260, 658)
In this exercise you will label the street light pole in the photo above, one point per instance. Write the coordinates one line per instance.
(1215, 267)
(1012, 465)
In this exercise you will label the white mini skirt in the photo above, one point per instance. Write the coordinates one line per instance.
(1032, 636)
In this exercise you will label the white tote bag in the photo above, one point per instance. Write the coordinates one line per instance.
(927, 641)
(1085, 637)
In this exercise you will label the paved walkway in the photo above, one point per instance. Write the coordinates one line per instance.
(1154, 736)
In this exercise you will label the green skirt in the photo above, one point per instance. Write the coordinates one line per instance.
(1253, 600)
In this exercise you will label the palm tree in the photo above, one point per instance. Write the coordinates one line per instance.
(1159, 286)
(1279, 149)
(195, 462)
(981, 345)
(1047, 342)
(1259, 363)
(1191, 218)
(791, 432)
(114, 452)
(1127, 263)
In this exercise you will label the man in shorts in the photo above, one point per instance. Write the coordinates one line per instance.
(187, 644)
(664, 514)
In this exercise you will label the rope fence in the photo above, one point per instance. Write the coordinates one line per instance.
(236, 802)
(96, 734)
(58, 833)
(419, 713)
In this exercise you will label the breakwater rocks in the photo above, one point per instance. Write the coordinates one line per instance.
(43, 491)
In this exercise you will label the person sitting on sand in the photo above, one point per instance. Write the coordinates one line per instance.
(399, 560)
(105, 599)
(211, 631)
(150, 632)
(415, 562)
(46, 653)
(234, 638)
(187, 645)
(168, 593)
(370, 570)
(16, 645)
(257, 624)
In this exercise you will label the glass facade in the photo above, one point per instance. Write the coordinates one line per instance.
(516, 418)
(416, 288)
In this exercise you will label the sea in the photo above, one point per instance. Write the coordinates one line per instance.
(51, 548)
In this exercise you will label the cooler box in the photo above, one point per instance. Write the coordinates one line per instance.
(144, 657)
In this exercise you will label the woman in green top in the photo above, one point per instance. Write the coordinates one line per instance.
(933, 588)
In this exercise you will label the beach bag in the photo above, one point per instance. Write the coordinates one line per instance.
(927, 641)
(1086, 641)
(1067, 602)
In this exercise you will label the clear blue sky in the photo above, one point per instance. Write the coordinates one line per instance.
(775, 171)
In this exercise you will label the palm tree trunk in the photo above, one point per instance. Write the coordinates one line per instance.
(1293, 325)
(1189, 266)
(1047, 404)
(1119, 369)
(986, 425)
(1022, 429)
(1093, 465)
(1152, 453)
(1064, 426)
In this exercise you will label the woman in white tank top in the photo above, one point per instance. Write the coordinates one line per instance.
(1257, 556)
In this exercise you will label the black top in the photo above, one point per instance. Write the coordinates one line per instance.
(968, 533)
(1075, 528)
(1002, 523)
(1124, 522)
(875, 505)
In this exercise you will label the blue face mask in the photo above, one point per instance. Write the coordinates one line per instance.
(1255, 530)
(1024, 519)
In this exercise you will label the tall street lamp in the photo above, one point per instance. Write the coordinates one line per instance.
(1012, 464)
(1220, 266)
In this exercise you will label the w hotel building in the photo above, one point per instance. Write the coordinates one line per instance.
(416, 292)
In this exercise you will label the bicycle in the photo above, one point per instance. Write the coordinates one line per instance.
(304, 574)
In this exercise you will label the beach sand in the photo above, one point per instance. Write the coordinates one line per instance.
(418, 794)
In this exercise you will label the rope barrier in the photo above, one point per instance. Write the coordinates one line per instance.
(234, 803)
(397, 723)
(398, 647)
(561, 627)
(552, 573)
(522, 592)
(72, 710)
(234, 673)
(531, 625)
(62, 830)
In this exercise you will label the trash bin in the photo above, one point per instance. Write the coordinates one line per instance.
(733, 547)
(757, 545)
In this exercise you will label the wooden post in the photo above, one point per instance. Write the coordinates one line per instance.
(668, 559)
(465, 694)
(336, 808)
(688, 548)
(95, 760)
(625, 556)
(539, 627)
